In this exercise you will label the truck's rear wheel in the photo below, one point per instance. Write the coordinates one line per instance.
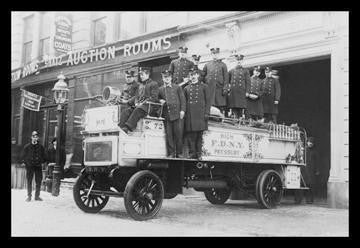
(143, 195)
(217, 196)
(269, 189)
(91, 203)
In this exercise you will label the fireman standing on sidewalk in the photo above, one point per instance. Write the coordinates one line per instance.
(32, 157)
(172, 96)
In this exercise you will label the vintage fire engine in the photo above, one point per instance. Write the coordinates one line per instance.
(258, 158)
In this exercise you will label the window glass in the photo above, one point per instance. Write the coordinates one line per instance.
(27, 52)
(44, 47)
(131, 24)
(99, 31)
(88, 86)
(115, 79)
(28, 28)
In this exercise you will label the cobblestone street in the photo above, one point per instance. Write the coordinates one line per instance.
(185, 215)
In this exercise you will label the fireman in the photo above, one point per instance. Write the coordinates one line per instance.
(239, 83)
(197, 112)
(271, 96)
(131, 88)
(173, 97)
(215, 74)
(180, 67)
(254, 103)
(139, 106)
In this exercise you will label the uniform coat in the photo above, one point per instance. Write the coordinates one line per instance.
(254, 106)
(33, 155)
(180, 68)
(197, 106)
(150, 92)
(311, 167)
(175, 101)
(216, 76)
(131, 90)
(239, 85)
(272, 92)
(174, 126)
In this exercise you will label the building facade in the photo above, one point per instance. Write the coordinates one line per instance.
(93, 49)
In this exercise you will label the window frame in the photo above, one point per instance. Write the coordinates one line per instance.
(93, 31)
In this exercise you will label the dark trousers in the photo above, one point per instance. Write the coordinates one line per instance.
(194, 143)
(270, 117)
(30, 171)
(174, 136)
(238, 112)
(129, 117)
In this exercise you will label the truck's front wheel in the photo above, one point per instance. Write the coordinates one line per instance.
(143, 195)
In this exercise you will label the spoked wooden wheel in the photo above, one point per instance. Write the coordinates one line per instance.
(143, 195)
(269, 189)
(217, 196)
(88, 203)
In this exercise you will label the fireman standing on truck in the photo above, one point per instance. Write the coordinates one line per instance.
(197, 112)
(139, 106)
(254, 101)
(173, 97)
(271, 96)
(239, 84)
(180, 67)
(215, 74)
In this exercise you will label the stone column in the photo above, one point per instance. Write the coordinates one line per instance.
(338, 187)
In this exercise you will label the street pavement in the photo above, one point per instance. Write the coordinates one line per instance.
(185, 215)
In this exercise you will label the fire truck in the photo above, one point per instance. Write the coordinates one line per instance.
(260, 159)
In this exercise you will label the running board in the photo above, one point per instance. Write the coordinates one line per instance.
(105, 193)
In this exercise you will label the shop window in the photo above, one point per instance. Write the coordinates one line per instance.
(99, 32)
(88, 87)
(131, 24)
(115, 79)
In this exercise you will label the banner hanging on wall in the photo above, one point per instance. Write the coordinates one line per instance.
(31, 101)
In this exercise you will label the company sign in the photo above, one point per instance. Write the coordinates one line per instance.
(31, 101)
(63, 31)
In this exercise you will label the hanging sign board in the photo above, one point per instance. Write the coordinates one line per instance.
(31, 101)
(63, 32)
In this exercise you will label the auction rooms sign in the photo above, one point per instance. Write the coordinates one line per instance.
(63, 31)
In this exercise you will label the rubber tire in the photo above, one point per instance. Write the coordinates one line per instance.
(128, 195)
(80, 203)
(224, 196)
(259, 189)
(170, 195)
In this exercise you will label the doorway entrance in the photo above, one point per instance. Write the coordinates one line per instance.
(305, 99)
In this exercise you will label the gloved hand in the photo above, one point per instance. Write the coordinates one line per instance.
(276, 102)
(182, 114)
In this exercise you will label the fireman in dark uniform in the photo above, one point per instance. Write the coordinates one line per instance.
(173, 97)
(180, 67)
(254, 103)
(239, 84)
(131, 88)
(271, 96)
(198, 105)
(309, 173)
(216, 77)
(139, 107)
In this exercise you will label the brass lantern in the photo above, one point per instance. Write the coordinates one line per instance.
(60, 90)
